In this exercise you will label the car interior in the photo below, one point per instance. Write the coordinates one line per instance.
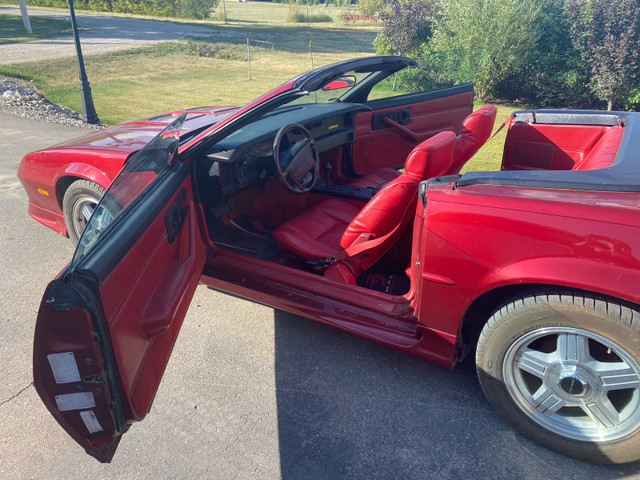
(332, 188)
(328, 182)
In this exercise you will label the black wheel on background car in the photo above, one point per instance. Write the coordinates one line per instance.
(564, 370)
(78, 204)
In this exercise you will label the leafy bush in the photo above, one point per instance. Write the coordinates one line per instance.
(607, 35)
(408, 25)
(553, 74)
(504, 29)
(162, 8)
(299, 14)
(514, 50)
(371, 7)
(195, 8)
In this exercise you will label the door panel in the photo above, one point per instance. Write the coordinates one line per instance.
(138, 308)
(548, 146)
(379, 144)
(141, 299)
(74, 372)
(107, 325)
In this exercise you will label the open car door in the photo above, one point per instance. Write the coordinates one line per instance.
(108, 322)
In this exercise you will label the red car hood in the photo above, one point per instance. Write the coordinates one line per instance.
(133, 135)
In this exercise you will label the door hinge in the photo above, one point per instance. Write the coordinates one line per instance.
(99, 378)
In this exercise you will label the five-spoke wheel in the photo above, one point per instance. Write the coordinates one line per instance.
(564, 370)
(80, 200)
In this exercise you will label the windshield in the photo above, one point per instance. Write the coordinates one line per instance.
(138, 174)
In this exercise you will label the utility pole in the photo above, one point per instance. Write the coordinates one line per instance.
(25, 17)
(249, 56)
(88, 110)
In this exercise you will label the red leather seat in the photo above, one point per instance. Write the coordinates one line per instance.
(603, 152)
(335, 228)
(376, 178)
(474, 132)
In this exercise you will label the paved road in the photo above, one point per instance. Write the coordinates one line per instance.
(101, 33)
(251, 393)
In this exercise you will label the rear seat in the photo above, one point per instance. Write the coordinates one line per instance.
(603, 152)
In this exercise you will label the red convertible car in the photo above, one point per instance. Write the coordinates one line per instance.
(337, 199)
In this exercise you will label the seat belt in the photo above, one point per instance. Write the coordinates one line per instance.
(357, 248)
(504, 124)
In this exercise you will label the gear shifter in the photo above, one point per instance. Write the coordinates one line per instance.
(326, 166)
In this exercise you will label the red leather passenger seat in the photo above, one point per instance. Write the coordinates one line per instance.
(474, 132)
(603, 152)
(336, 229)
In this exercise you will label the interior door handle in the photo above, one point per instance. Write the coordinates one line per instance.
(402, 129)
(175, 216)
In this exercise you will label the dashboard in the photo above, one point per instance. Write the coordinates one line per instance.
(246, 156)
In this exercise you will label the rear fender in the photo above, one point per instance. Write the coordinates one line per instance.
(608, 279)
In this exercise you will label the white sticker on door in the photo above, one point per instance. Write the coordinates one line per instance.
(75, 401)
(64, 367)
(91, 422)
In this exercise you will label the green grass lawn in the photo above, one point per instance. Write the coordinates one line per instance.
(171, 76)
(151, 80)
(489, 157)
(12, 29)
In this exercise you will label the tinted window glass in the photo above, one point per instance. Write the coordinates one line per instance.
(137, 176)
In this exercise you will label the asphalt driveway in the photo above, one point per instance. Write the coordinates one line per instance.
(251, 392)
(101, 33)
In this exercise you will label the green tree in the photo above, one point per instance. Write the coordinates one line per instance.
(371, 7)
(607, 35)
(493, 37)
(407, 26)
(552, 74)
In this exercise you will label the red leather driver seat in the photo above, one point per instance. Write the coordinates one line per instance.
(354, 238)
(474, 132)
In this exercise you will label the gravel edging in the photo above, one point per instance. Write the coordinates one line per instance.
(21, 98)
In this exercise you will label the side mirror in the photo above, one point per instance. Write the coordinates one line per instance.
(341, 82)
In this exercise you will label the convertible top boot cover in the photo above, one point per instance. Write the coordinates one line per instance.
(328, 228)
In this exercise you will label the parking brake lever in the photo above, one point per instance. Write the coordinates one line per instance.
(326, 166)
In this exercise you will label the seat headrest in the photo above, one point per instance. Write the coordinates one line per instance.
(474, 132)
(432, 157)
(480, 123)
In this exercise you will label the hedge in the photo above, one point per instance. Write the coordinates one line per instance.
(162, 8)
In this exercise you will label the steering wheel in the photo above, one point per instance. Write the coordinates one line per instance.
(298, 167)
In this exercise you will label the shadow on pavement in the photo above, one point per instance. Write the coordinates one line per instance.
(348, 408)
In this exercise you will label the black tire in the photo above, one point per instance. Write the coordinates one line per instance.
(78, 203)
(564, 370)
